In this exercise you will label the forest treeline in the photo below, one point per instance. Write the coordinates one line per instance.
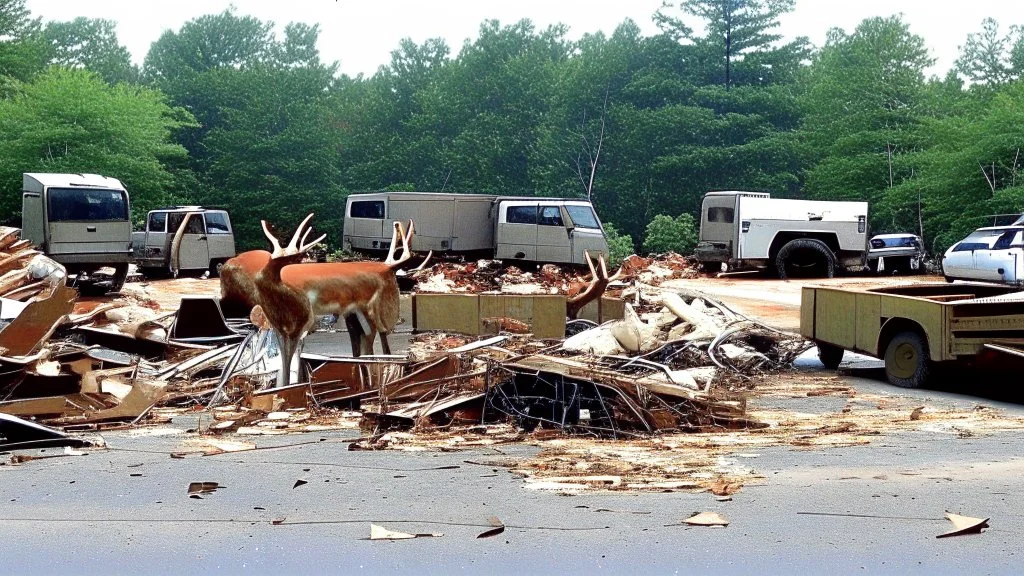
(236, 112)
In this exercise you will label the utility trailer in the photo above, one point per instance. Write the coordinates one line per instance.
(915, 329)
(794, 238)
(478, 225)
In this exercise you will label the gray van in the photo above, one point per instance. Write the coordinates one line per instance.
(81, 221)
(184, 238)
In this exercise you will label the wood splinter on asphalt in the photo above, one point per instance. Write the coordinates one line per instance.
(964, 525)
(706, 519)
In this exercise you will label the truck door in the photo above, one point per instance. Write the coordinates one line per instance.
(192, 250)
(585, 232)
(220, 240)
(718, 226)
(155, 242)
(553, 243)
(998, 263)
(517, 231)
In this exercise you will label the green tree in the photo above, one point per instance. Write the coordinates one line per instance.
(90, 44)
(865, 104)
(22, 49)
(73, 121)
(987, 56)
(667, 234)
(736, 30)
(619, 245)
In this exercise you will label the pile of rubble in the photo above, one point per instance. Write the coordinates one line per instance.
(493, 276)
(675, 361)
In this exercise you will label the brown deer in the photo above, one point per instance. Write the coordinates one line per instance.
(286, 309)
(364, 293)
(579, 296)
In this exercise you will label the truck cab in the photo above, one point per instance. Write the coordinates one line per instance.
(548, 231)
(184, 238)
(81, 221)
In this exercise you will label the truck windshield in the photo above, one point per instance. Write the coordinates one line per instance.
(67, 204)
(582, 216)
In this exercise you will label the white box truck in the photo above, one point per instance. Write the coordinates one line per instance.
(478, 225)
(795, 238)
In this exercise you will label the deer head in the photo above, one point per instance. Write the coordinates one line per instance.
(599, 280)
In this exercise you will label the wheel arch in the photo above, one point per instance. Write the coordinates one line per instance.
(830, 239)
(892, 327)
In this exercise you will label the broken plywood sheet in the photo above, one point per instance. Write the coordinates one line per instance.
(37, 322)
(447, 312)
(282, 398)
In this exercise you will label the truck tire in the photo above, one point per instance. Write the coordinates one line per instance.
(830, 355)
(907, 362)
(805, 257)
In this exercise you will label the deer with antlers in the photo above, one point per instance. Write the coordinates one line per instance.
(579, 296)
(364, 293)
(285, 308)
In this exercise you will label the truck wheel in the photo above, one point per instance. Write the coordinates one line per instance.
(907, 363)
(830, 355)
(805, 258)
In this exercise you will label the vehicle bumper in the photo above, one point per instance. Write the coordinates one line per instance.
(713, 252)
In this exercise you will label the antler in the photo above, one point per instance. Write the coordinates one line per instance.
(598, 282)
(297, 244)
(406, 239)
(278, 251)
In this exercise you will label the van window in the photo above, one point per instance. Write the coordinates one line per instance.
(157, 222)
(217, 223)
(367, 209)
(521, 215)
(174, 221)
(582, 216)
(550, 216)
(721, 214)
(68, 204)
(979, 240)
(195, 225)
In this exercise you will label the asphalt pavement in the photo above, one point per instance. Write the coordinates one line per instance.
(865, 509)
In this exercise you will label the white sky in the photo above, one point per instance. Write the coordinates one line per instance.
(360, 34)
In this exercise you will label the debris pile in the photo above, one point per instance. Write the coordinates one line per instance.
(493, 276)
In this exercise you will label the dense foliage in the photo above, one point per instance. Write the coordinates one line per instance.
(232, 111)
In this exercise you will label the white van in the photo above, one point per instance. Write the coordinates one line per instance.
(205, 240)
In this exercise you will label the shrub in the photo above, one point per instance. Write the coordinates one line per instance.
(667, 234)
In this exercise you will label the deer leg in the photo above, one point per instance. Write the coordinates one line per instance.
(384, 343)
(287, 351)
(355, 333)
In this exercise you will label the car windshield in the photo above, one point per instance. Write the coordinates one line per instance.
(896, 242)
(582, 216)
(69, 204)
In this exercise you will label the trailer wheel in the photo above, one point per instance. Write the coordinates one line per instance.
(805, 258)
(907, 363)
(830, 355)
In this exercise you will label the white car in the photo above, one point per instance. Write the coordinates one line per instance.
(994, 254)
(901, 253)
